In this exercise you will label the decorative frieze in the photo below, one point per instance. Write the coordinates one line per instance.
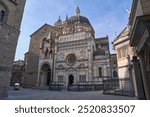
(74, 37)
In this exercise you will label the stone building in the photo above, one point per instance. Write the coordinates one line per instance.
(11, 12)
(139, 22)
(67, 53)
(125, 52)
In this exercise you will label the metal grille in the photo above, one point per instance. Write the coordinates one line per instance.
(86, 86)
(56, 86)
(118, 87)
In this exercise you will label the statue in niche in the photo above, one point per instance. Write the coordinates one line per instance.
(46, 52)
(72, 29)
(46, 47)
(50, 52)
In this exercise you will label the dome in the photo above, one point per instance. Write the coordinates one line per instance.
(77, 23)
(59, 22)
(80, 19)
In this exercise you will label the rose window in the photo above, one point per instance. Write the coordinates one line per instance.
(71, 59)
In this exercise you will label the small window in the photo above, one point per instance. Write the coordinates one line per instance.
(60, 78)
(2, 14)
(100, 71)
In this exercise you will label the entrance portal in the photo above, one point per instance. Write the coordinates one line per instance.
(45, 75)
(48, 77)
(70, 79)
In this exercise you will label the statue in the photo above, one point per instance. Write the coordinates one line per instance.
(50, 52)
(46, 47)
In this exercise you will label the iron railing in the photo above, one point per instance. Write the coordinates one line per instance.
(86, 86)
(122, 86)
(56, 86)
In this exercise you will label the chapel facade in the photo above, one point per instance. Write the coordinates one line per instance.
(67, 53)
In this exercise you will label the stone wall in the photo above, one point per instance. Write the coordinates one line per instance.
(31, 70)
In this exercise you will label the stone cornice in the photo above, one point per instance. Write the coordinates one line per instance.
(120, 41)
(75, 41)
(139, 28)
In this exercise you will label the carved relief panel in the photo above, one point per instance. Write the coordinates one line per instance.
(60, 57)
(83, 54)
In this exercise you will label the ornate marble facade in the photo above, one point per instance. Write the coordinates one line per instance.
(67, 53)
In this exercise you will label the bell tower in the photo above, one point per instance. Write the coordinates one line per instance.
(11, 12)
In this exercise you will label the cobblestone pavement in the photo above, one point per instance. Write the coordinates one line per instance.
(30, 94)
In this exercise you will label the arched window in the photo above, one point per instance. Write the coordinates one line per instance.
(115, 74)
(100, 71)
(2, 14)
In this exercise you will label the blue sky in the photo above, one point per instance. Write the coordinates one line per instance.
(106, 16)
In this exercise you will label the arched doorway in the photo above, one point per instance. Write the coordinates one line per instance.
(48, 77)
(71, 79)
(45, 76)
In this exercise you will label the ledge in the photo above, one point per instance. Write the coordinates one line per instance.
(141, 23)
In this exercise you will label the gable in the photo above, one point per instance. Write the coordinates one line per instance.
(45, 28)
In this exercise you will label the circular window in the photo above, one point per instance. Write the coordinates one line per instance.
(71, 59)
